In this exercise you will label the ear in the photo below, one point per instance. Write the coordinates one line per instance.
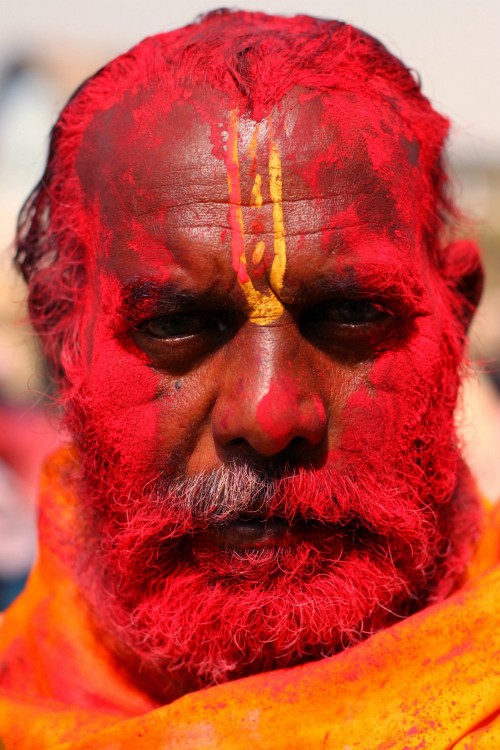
(463, 271)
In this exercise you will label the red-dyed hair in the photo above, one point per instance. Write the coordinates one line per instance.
(256, 59)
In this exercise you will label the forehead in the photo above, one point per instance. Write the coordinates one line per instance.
(156, 175)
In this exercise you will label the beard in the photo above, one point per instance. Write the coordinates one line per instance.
(378, 538)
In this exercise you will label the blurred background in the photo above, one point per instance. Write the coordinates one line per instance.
(47, 49)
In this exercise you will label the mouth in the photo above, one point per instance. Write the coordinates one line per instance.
(256, 533)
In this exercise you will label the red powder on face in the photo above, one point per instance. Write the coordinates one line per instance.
(118, 393)
(287, 412)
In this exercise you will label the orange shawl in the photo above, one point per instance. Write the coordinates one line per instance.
(431, 681)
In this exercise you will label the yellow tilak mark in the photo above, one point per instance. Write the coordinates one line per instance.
(252, 146)
(276, 189)
(256, 198)
(264, 308)
(233, 181)
(258, 253)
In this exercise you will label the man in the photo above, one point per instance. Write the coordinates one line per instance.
(240, 264)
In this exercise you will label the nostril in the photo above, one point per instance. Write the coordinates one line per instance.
(237, 443)
(300, 445)
(298, 442)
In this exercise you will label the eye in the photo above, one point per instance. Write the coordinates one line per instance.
(182, 325)
(176, 341)
(353, 313)
(355, 329)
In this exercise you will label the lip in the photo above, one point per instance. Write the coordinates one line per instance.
(250, 533)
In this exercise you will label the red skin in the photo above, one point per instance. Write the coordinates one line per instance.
(344, 220)
(341, 400)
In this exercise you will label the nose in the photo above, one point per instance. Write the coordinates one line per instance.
(270, 401)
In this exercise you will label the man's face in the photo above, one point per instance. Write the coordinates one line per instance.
(266, 415)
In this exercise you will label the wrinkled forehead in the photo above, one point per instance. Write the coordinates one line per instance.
(150, 154)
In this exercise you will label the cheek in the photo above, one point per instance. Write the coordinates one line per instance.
(149, 421)
(122, 406)
(402, 398)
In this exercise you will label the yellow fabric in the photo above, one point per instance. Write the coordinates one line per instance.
(431, 681)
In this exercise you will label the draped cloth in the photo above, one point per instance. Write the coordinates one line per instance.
(430, 681)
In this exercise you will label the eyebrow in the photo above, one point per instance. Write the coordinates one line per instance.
(371, 281)
(144, 295)
(139, 290)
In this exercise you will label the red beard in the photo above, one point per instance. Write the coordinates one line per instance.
(392, 542)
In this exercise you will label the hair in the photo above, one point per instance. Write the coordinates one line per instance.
(252, 56)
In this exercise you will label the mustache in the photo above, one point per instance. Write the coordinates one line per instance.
(225, 494)
(176, 506)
